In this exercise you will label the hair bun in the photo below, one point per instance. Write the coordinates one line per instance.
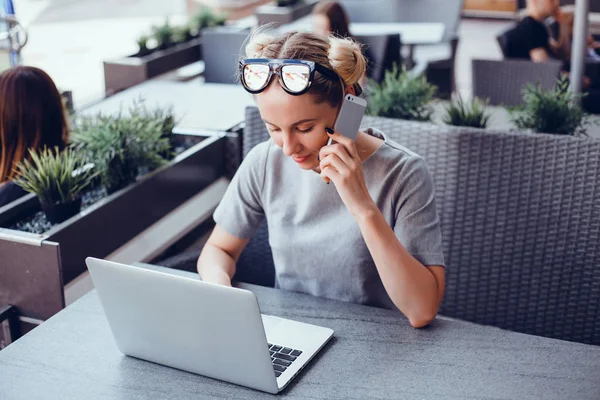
(257, 43)
(345, 56)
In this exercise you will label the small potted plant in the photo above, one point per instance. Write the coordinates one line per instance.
(163, 35)
(206, 18)
(142, 43)
(556, 111)
(57, 178)
(182, 34)
(401, 95)
(124, 147)
(474, 115)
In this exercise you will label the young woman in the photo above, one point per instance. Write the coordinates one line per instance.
(373, 235)
(330, 18)
(31, 117)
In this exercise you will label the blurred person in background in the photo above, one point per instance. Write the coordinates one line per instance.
(32, 116)
(530, 38)
(330, 18)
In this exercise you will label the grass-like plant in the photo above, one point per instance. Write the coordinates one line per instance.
(163, 35)
(142, 43)
(206, 18)
(126, 145)
(556, 111)
(459, 113)
(402, 95)
(56, 177)
(182, 34)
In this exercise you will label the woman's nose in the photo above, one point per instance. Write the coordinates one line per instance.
(290, 145)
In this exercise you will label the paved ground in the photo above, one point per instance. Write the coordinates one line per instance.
(78, 10)
(69, 39)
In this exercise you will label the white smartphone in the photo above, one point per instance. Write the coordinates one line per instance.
(350, 116)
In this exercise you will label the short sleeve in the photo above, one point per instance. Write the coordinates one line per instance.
(536, 36)
(417, 224)
(241, 211)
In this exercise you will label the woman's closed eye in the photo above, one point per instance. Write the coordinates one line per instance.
(305, 130)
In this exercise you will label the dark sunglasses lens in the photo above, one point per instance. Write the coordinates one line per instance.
(295, 77)
(256, 75)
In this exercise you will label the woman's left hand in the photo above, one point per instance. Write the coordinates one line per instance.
(341, 163)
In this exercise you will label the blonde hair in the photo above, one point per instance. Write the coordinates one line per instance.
(342, 55)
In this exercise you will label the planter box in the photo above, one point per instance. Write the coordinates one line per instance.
(284, 15)
(34, 268)
(130, 71)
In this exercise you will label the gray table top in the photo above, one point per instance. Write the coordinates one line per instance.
(374, 354)
(197, 105)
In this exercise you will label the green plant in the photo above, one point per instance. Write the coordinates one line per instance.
(55, 176)
(182, 33)
(163, 35)
(206, 18)
(555, 111)
(125, 146)
(142, 43)
(458, 113)
(401, 95)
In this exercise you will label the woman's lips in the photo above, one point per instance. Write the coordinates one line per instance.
(300, 160)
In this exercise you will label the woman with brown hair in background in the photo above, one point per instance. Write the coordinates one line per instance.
(32, 116)
(330, 18)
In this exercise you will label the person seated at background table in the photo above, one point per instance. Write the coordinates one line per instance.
(530, 38)
(32, 116)
(330, 18)
(371, 237)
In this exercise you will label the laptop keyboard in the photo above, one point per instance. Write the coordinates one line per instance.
(282, 357)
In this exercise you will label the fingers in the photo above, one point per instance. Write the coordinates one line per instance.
(334, 161)
(339, 150)
(332, 168)
(348, 143)
(329, 174)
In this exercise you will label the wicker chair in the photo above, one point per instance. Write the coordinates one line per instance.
(520, 222)
(502, 81)
(383, 51)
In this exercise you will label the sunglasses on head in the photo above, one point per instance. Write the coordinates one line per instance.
(295, 76)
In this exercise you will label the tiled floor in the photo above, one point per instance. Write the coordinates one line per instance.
(477, 40)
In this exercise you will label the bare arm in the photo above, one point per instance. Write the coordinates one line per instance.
(538, 55)
(216, 263)
(416, 290)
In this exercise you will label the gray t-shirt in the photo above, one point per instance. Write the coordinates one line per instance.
(317, 245)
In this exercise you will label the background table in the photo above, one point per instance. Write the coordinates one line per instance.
(373, 354)
(411, 33)
(197, 105)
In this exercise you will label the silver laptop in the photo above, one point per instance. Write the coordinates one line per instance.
(200, 327)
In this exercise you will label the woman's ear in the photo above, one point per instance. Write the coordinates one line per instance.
(350, 90)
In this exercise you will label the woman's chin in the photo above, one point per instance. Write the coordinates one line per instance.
(308, 166)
